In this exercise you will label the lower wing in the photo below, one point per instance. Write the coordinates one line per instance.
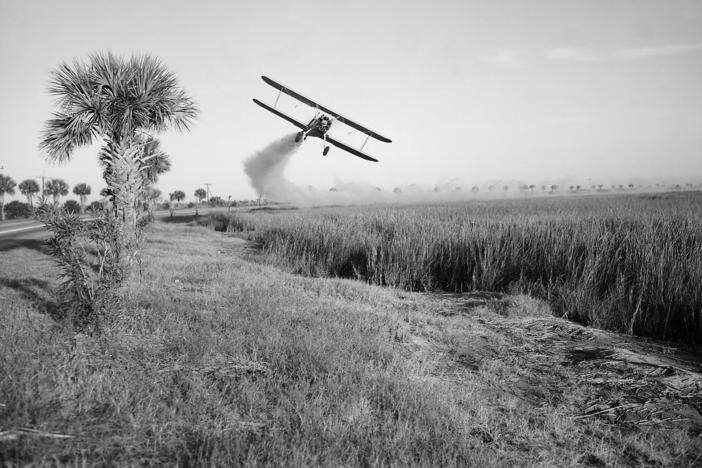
(280, 114)
(353, 151)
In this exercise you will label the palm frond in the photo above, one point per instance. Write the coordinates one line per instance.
(66, 132)
(56, 187)
(29, 187)
(7, 185)
(159, 101)
(115, 98)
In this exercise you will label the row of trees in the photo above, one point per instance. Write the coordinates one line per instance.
(57, 188)
(54, 188)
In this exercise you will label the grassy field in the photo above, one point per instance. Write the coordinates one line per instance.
(626, 263)
(219, 361)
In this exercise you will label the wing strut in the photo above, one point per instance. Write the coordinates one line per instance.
(364, 143)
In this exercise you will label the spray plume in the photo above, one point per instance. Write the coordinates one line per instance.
(266, 171)
(266, 168)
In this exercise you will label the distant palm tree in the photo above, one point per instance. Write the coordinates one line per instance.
(57, 188)
(7, 185)
(200, 194)
(29, 188)
(177, 196)
(151, 198)
(119, 101)
(82, 190)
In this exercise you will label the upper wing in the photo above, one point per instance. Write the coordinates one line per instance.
(336, 115)
(280, 114)
(345, 147)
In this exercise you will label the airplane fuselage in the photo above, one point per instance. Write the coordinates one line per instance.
(318, 127)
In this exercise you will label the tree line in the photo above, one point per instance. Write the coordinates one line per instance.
(52, 192)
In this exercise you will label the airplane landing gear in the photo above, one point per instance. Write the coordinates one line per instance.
(325, 151)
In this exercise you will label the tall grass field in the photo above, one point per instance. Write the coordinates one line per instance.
(626, 263)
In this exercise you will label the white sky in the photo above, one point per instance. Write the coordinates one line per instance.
(514, 90)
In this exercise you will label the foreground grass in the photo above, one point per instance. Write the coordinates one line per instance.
(215, 360)
(627, 263)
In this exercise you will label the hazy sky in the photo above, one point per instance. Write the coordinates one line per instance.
(527, 90)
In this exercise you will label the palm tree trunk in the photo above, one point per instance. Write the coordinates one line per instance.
(2, 207)
(126, 181)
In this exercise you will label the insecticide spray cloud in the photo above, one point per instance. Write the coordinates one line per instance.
(266, 168)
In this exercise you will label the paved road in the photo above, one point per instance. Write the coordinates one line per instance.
(30, 233)
(26, 233)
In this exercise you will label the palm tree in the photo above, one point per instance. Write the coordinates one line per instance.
(121, 102)
(82, 190)
(200, 194)
(57, 188)
(176, 196)
(151, 198)
(29, 188)
(7, 185)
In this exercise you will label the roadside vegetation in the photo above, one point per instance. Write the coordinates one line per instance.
(210, 359)
(122, 103)
(627, 263)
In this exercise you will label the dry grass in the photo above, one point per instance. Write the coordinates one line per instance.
(219, 361)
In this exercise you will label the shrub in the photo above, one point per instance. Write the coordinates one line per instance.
(96, 207)
(17, 209)
(88, 258)
(71, 206)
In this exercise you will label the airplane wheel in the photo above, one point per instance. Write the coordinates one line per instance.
(325, 151)
(298, 137)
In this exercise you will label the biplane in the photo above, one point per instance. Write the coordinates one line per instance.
(321, 123)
